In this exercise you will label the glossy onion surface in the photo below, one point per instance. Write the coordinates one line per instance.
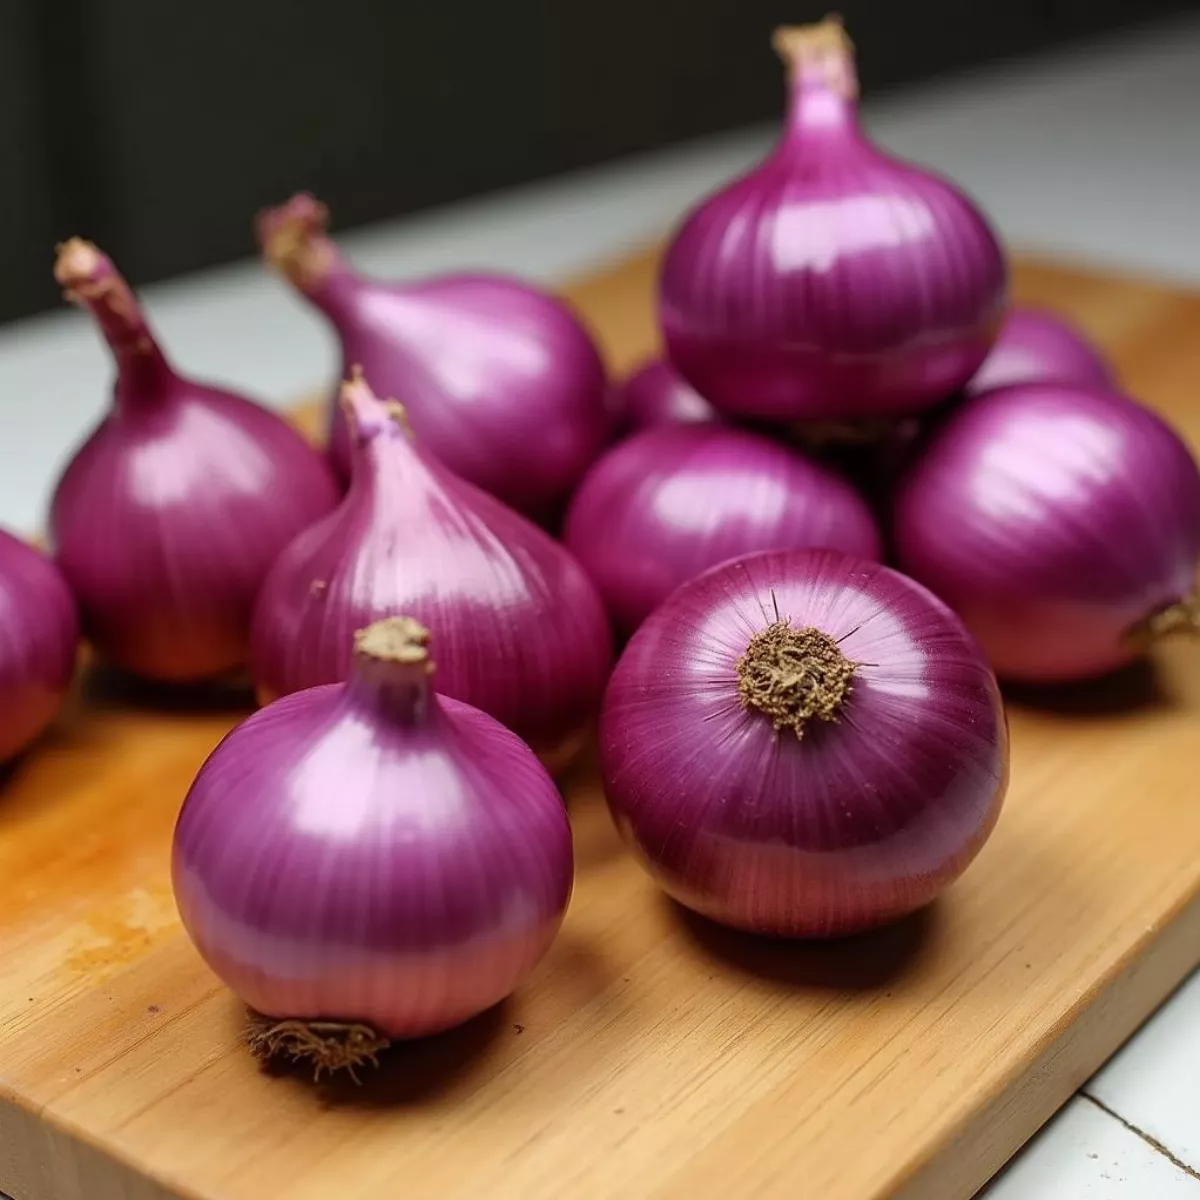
(521, 631)
(832, 281)
(668, 503)
(863, 819)
(500, 380)
(168, 517)
(353, 853)
(1054, 520)
(39, 636)
(656, 394)
(1038, 347)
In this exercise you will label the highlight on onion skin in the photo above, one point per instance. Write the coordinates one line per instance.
(1061, 523)
(500, 380)
(370, 861)
(1039, 347)
(832, 282)
(656, 394)
(168, 517)
(39, 638)
(522, 631)
(672, 501)
(802, 744)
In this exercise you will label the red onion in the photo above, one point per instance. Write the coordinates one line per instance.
(368, 860)
(499, 379)
(39, 635)
(1062, 524)
(671, 502)
(831, 282)
(802, 744)
(1038, 347)
(169, 516)
(523, 632)
(656, 394)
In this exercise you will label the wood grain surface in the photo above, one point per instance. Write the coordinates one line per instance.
(651, 1055)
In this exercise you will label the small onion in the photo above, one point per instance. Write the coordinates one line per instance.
(523, 633)
(802, 744)
(369, 861)
(39, 636)
(500, 380)
(1038, 347)
(671, 502)
(832, 282)
(1062, 524)
(656, 394)
(169, 516)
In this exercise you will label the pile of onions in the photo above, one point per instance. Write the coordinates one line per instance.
(656, 394)
(499, 379)
(1038, 347)
(169, 516)
(39, 635)
(522, 632)
(1061, 523)
(832, 282)
(370, 861)
(799, 743)
(672, 501)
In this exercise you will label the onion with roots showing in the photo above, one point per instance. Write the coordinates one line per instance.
(801, 744)
(370, 861)
(500, 380)
(168, 517)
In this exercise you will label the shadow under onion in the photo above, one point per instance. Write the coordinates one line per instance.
(104, 685)
(1136, 687)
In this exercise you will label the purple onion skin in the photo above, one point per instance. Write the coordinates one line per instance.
(332, 864)
(656, 394)
(39, 637)
(170, 514)
(1038, 347)
(668, 503)
(1053, 519)
(523, 633)
(500, 380)
(832, 281)
(859, 823)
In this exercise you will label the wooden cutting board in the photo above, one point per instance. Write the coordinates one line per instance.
(651, 1055)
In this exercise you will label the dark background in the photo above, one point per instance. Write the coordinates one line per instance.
(158, 127)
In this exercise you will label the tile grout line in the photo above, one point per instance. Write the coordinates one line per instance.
(1149, 1139)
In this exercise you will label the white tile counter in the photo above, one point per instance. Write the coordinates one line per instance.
(1094, 155)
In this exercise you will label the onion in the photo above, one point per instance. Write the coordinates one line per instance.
(168, 517)
(671, 502)
(831, 282)
(499, 379)
(802, 744)
(369, 861)
(39, 635)
(1063, 524)
(1038, 347)
(656, 394)
(523, 632)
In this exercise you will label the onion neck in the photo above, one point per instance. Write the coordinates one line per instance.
(823, 83)
(294, 238)
(88, 278)
(392, 671)
(1183, 616)
(794, 676)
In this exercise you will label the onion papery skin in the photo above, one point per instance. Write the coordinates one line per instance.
(522, 632)
(500, 380)
(1053, 519)
(1038, 347)
(670, 502)
(832, 282)
(656, 394)
(169, 516)
(39, 638)
(334, 863)
(859, 822)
